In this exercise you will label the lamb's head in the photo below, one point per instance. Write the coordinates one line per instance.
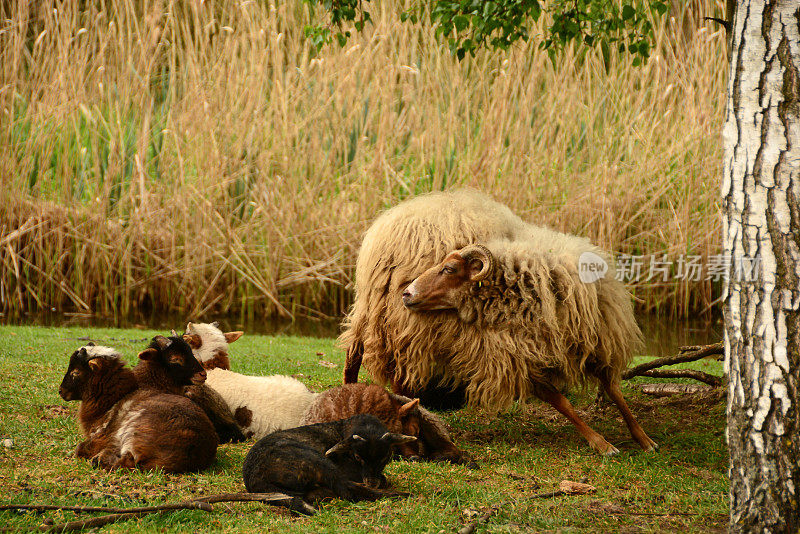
(210, 344)
(172, 361)
(440, 287)
(367, 449)
(87, 367)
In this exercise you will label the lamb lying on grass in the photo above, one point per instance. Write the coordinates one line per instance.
(324, 460)
(264, 404)
(259, 404)
(129, 425)
(399, 414)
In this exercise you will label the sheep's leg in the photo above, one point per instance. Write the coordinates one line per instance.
(562, 404)
(352, 363)
(613, 391)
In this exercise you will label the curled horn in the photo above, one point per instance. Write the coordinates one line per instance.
(479, 252)
(162, 341)
(395, 439)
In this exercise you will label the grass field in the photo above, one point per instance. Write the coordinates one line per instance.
(156, 154)
(524, 451)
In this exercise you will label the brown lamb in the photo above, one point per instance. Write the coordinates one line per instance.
(400, 415)
(127, 426)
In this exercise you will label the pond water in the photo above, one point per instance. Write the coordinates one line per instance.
(663, 336)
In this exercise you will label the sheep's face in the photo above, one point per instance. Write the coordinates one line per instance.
(85, 370)
(175, 357)
(210, 344)
(365, 457)
(438, 288)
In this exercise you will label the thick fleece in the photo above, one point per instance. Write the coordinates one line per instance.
(535, 322)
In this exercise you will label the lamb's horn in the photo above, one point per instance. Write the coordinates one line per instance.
(484, 255)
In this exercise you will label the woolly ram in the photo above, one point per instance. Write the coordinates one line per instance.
(454, 290)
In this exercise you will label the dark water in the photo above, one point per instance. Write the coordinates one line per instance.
(662, 336)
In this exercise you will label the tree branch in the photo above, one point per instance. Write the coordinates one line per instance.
(121, 514)
(687, 354)
(706, 378)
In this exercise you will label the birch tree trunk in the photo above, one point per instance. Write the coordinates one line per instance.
(761, 203)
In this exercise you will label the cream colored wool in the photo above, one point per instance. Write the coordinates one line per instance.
(536, 322)
(276, 402)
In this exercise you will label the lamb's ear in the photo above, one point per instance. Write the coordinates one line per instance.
(230, 337)
(215, 324)
(396, 439)
(148, 354)
(194, 340)
(94, 364)
(342, 446)
(408, 408)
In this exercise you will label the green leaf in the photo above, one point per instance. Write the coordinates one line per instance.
(460, 22)
(628, 12)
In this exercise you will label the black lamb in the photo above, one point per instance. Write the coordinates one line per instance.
(343, 459)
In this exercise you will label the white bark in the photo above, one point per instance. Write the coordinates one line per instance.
(761, 188)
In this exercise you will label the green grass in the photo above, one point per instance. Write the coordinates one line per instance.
(524, 451)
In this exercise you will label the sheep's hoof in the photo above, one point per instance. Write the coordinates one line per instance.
(610, 451)
(650, 446)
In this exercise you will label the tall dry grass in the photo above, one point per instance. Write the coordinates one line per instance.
(199, 157)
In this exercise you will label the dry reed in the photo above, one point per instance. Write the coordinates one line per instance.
(200, 157)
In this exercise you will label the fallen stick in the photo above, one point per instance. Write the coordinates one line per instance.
(98, 521)
(470, 527)
(121, 514)
(668, 389)
(192, 505)
(700, 376)
(691, 355)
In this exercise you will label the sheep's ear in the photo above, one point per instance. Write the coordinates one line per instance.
(342, 446)
(162, 341)
(90, 344)
(230, 337)
(215, 324)
(173, 333)
(189, 328)
(479, 260)
(408, 408)
(94, 364)
(194, 340)
(148, 354)
(396, 439)
(82, 354)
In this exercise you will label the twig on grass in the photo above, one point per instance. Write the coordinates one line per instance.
(470, 527)
(668, 389)
(686, 354)
(193, 505)
(700, 376)
(121, 514)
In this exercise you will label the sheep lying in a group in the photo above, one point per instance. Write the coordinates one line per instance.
(323, 460)
(506, 322)
(259, 404)
(265, 404)
(400, 415)
(128, 426)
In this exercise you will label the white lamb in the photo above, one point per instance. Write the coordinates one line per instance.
(260, 404)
